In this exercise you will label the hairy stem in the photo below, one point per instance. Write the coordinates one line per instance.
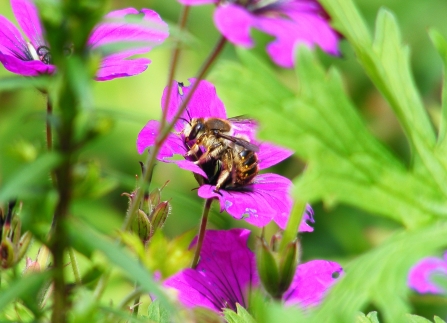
(206, 211)
(74, 266)
(150, 161)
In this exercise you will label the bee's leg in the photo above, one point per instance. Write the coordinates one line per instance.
(193, 150)
(212, 152)
(226, 171)
(223, 177)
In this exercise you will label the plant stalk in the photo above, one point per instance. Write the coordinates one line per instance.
(202, 231)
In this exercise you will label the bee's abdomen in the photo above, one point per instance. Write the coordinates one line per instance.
(246, 167)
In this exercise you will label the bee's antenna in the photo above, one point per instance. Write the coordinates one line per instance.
(187, 112)
(185, 120)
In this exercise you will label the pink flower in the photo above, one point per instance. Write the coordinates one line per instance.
(227, 272)
(421, 275)
(290, 22)
(266, 198)
(33, 57)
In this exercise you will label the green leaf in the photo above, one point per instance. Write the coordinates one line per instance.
(438, 320)
(85, 238)
(157, 313)
(386, 61)
(23, 182)
(441, 45)
(380, 277)
(27, 285)
(346, 163)
(416, 319)
(370, 318)
(242, 316)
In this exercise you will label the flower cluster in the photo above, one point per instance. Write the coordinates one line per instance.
(227, 273)
(33, 57)
(290, 22)
(266, 198)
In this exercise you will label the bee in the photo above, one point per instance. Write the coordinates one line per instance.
(236, 156)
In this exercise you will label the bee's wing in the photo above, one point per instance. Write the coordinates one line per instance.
(239, 141)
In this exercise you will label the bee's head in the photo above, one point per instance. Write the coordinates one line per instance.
(194, 130)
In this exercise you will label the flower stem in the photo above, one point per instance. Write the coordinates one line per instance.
(150, 161)
(173, 66)
(202, 230)
(291, 231)
(49, 134)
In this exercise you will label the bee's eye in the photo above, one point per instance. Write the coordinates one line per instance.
(195, 131)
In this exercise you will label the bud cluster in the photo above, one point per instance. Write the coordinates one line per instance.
(276, 267)
(13, 244)
(151, 215)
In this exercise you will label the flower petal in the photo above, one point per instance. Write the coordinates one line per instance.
(147, 136)
(26, 14)
(25, 68)
(224, 273)
(204, 103)
(308, 216)
(419, 277)
(11, 40)
(114, 66)
(308, 27)
(266, 199)
(311, 282)
(234, 22)
(270, 154)
(151, 30)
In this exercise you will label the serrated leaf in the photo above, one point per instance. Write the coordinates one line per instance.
(346, 163)
(386, 61)
(157, 313)
(380, 277)
(242, 316)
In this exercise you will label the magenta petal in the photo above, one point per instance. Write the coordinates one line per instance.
(420, 274)
(25, 68)
(270, 154)
(114, 66)
(11, 40)
(311, 282)
(147, 136)
(150, 31)
(308, 216)
(304, 27)
(225, 272)
(187, 165)
(234, 22)
(204, 102)
(258, 203)
(26, 14)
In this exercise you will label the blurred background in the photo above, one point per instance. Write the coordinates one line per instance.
(126, 104)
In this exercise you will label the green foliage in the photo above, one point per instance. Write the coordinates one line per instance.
(369, 318)
(241, 316)
(157, 313)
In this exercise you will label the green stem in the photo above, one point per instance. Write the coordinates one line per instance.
(135, 294)
(150, 161)
(49, 134)
(173, 66)
(202, 231)
(291, 231)
(74, 266)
